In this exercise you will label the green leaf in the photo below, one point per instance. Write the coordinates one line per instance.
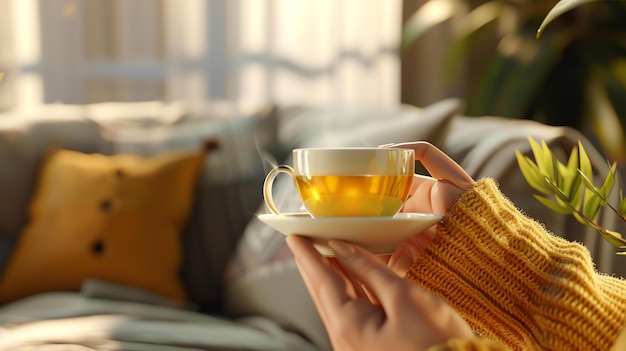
(520, 93)
(589, 185)
(592, 205)
(511, 81)
(572, 162)
(531, 172)
(575, 191)
(559, 195)
(608, 183)
(548, 162)
(621, 208)
(585, 163)
(485, 95)
(560, 8)
(611, 237)
(579, 218)
(429, 15)
(561, 175)
(553, 205)
(598, 194)
(543, 157)
(571, 179)
(563, 201)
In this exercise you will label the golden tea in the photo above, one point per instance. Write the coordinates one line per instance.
(353, 196)
(348, 182)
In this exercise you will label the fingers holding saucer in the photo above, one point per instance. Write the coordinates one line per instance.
(325, 279)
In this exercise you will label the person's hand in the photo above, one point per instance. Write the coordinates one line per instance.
(365, 306)
(434, 194)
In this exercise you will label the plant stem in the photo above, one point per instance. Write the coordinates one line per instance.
(596, 226)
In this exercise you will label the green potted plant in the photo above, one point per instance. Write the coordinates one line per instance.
(574, 74)
(568, 188)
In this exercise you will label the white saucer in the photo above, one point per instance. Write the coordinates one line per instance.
(379, 235)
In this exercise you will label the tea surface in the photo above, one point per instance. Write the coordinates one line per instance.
(353, 196)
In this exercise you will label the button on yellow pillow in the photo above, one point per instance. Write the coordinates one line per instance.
(117, 218)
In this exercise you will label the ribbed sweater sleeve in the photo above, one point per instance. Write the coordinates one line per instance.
(516, 283)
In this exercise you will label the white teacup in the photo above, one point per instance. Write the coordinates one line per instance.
(348, 182)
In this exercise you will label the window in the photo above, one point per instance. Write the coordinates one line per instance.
(255, 52)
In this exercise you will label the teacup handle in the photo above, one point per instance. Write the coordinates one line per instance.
(269, 182)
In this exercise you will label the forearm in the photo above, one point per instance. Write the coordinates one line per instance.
(515, 282)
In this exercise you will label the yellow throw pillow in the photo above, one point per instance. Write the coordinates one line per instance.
(117, 218)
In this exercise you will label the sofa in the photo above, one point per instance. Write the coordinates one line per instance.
(238, 287)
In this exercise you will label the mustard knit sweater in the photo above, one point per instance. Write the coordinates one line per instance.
(518, 286)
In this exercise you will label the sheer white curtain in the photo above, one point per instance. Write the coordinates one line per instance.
(253, 52)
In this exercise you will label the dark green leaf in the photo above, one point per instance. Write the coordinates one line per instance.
(470, 29)
(614, 81)
(605, 121)
(511, 83)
